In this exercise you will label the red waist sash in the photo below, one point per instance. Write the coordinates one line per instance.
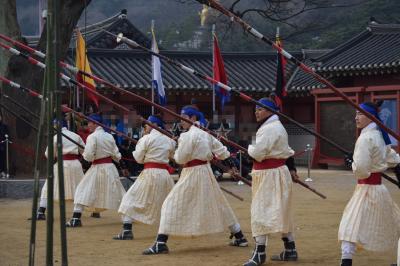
(194, 162)
(165, 166)
(268, 164)
(102, 160)
(373, 179)
(70, 157)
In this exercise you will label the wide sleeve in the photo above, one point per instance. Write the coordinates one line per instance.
(140, 150)
(184, 150)
(82, 144)
(116, 155)
(362, 157)
(90, 148)
(263, 145)
(218, 149)
(392, 157)
(172, 149)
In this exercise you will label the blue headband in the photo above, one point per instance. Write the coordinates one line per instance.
(190, 111)
(268, 103)
(156, 120)
(96, 118)
(373, 112)
(63, 122)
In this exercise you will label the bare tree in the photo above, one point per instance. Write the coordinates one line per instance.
(19, 70)
(291, 14)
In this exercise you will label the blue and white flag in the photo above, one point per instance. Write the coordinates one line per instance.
(157, 79)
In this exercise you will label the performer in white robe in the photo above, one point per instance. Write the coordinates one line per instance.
(371, 220)
(196, 205)
(100, 188)
(271, 206)
(143, 201)
(73, 172)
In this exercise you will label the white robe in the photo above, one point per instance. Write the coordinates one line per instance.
(371, 218)
(100, 188)
(271, 206)
(143, 201)
(73, 172)
(196, 206)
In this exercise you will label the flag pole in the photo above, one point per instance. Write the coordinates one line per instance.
(152, 70)
(76, 88)
(215, 115)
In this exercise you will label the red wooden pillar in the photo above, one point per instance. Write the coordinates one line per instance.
(316, 152)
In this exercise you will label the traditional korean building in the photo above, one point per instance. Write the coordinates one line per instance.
(130, 69)
(366, 68)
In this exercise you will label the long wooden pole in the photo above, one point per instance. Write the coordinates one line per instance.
(215, 5)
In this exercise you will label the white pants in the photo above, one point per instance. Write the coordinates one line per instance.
(78, 208)
(43, 203)
(398, 253)
(348, 249)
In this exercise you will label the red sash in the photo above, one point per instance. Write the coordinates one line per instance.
(268, 164)
(70, 157)
(194, 162)
(165, 166)
(102, 160)
(373, 179)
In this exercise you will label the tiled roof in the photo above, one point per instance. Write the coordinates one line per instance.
(378, 47)
(375, 51)
(96, 38)
(131, 69)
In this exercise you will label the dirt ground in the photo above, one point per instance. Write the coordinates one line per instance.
(317, 223)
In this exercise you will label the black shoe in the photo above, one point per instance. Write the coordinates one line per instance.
(393, 264)
(95, 215)
(74, 222)
(124, 235)
(258, 258)
(157, 248)
(346, 262)
(286, 255)
(241, 242)
(40, 216)
(289, 254)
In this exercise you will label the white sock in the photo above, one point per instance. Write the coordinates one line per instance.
(43, 203)
(348, 249)
(126, 219)
(235, 228)
(262, 240)
(79, 208)
(289, 236)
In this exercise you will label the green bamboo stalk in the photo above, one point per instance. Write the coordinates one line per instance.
(39, 141)
(60, 164)
(51, 77)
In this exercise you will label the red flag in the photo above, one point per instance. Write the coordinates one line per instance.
(219, 74)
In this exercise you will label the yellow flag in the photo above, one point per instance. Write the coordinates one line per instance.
(82, 63)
